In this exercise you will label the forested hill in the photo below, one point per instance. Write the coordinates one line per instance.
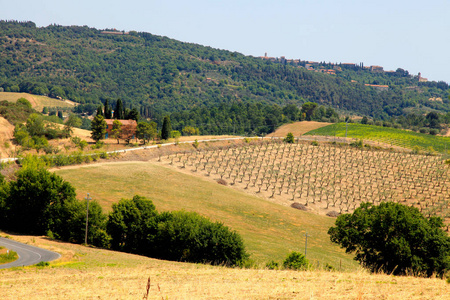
(158, 74)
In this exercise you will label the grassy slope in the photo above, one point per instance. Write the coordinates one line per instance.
(270, 231)
(398, 137)
(37, 102)
(87, 273)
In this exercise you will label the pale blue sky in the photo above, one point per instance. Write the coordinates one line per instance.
(413, 35)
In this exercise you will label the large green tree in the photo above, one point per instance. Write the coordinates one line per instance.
(36, 199)
(394, 238)
(132, 225)
(308, 109)
(98, 127)
(146, 131)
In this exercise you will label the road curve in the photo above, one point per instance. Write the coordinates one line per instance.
(28, 255)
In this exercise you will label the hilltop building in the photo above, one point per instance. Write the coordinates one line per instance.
(422, 79)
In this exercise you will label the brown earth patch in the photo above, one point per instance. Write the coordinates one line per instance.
(297, 128)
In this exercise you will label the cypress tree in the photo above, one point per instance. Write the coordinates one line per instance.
(166, 129)
(118, 111)
(100, 111)
(108, 110)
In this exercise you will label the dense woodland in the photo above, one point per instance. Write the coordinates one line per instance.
(158, 75)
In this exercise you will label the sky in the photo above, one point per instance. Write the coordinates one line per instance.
(412, 35)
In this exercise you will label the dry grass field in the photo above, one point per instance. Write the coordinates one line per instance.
(87, 273)
(37, 102)
(270, 231)
(325, 177)
(6, 134)
(297, 128)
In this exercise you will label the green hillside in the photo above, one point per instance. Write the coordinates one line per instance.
(393, 136)
(157, 74)
(269, 230)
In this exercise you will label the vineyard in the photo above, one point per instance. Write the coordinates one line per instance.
(324, 177)
(387, 135)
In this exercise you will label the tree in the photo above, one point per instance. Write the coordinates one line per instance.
(36, 199)
(116, 130)
(433, 120)
(118, 111)
(289, 138)
(71, 122)
(394, 238)
(99, 111)
(146, 131)
(133, 114)
(107, 110)
(296, 261)
(35, 125)
(189, 130)
(132, 225)
(24, 101)
(166, 129)
(364, 120)
(187, 236)
(308, 109)
(98, 127)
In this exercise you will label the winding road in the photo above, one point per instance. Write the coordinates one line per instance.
(28, 255)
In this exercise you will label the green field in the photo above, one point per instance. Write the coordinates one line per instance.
(392, 136)
(270, 231)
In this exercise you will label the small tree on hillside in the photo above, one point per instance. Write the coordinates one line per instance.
(394, 238)
(289, 138)
(72, 121)
(98, 126)
(146, 131)
(116, 130)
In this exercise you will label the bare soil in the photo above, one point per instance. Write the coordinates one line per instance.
(297, 128)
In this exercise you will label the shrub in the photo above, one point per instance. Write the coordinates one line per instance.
(424, 130)
(296, 261)
(289, 138)
(187, 236)
(434, 131)
(272, 265)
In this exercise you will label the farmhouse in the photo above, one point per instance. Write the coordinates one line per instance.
(128, 129)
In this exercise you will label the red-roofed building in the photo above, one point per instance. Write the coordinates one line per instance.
(128, 128)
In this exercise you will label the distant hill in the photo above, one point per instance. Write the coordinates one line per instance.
(158, 75)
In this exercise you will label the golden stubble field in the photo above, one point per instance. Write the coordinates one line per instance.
(87, 273)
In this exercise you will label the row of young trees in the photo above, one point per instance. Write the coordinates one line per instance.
(40, 202)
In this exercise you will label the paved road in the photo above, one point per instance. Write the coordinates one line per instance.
(28, 255)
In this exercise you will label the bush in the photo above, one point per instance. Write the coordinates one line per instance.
(424, 130)
(272, 265)
(434, 131)
(289, 138)
(187, 236)
(296, 261)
